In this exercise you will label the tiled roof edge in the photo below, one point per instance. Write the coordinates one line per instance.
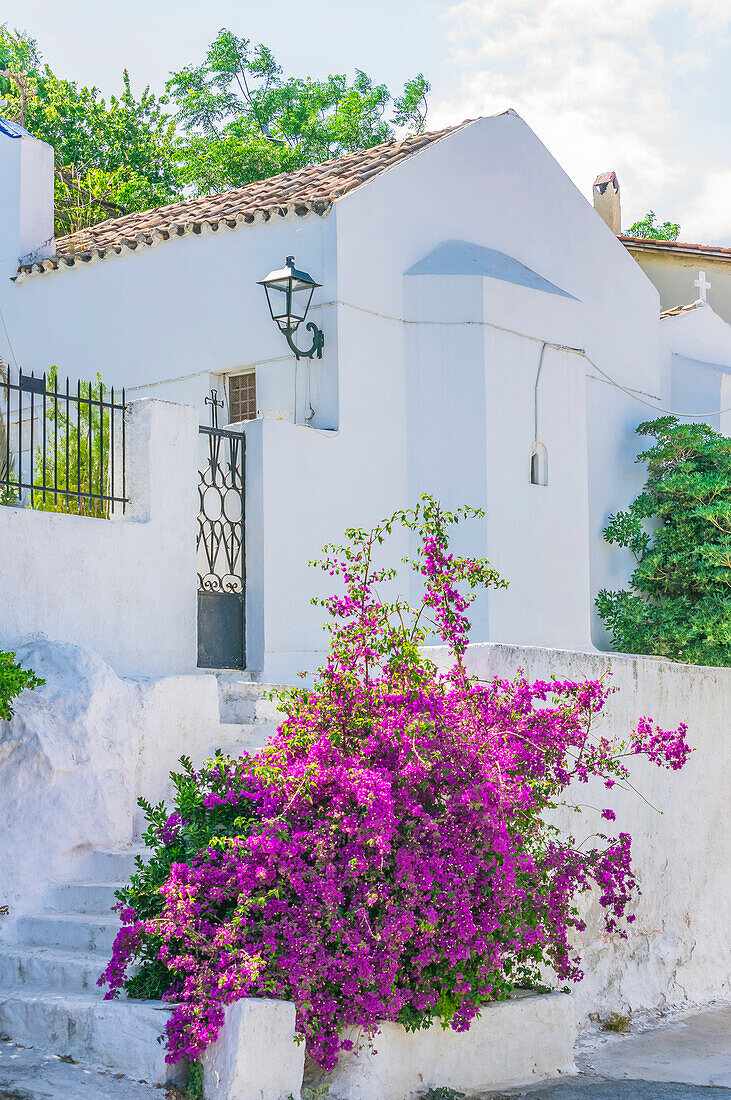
(644, 244)
(87, 256)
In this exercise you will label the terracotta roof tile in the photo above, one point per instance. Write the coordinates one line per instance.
(649, 244)
(309, 190)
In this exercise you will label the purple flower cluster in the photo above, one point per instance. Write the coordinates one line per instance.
(393, 862)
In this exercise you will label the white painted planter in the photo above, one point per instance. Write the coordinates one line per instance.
(256, 1056)
(524, 1040)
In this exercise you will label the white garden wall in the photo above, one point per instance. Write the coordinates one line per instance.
(678, 949)
(126, 587)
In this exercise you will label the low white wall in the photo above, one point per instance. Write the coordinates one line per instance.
(678, 949)
(125, 588)
(520, 1041)
(256, 1056)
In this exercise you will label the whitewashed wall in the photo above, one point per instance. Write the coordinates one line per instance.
(696, 350)
(126, 587)
(79, 752)
(678, 949)
(396, 398)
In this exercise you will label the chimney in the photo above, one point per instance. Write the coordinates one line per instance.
(26, 198)
(606, 200)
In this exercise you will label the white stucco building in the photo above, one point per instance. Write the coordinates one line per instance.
(487, 339)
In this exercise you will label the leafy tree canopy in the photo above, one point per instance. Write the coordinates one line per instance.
(679, 603)
(243, 119)
(230, 120)
(111, 156)
(649, 229)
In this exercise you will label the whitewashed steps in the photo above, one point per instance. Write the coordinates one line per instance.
(77, 931)
(120, 1035)
(49, 968)
(84, 897)
(244, 701)
(49, 998)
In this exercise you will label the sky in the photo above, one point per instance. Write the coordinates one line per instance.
(641, 87)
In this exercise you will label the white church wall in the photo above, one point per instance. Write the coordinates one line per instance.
(478, 448)
(124, 587)
(494, 184)
(677, 950)
(189, 307)
(696, 348)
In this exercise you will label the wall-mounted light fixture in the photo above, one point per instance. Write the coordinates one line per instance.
(289, 293)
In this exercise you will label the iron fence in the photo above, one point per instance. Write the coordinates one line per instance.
(62, 449)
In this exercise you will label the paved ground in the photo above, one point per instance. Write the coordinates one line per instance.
(27, 1074)
(684, 1059)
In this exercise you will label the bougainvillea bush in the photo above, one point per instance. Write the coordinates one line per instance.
(386, 857)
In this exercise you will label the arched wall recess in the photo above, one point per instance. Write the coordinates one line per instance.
(538, 464)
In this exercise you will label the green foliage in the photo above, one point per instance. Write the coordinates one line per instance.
(7, 474)
(679, 605)
(198, 828)
(230, 120)
(245, 120)
(442, 1093)
(649, 229)
(78, 458)
(112, 156)
(193, 1087)
(13, 680)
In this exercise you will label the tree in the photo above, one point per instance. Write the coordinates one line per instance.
(245, 120)
(110, 157)
(648, 229)
(233, 119)
(679, 605)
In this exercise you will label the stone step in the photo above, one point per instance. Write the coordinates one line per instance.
(237, 738)
(244, 701)
(112, 865)
(83, 897)
(69, 931)
(50, 968)
(119, 1035)
(25, 1072)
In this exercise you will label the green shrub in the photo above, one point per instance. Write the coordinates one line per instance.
(13, 680)
(679, 603)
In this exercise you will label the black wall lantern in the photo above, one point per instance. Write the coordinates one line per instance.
(289, 293)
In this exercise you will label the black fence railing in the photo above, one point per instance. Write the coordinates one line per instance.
(62, 449)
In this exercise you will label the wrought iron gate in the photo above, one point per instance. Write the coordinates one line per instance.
(221, 549)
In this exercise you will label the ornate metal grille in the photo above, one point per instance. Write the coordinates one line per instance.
(220, 517)
(221, 547)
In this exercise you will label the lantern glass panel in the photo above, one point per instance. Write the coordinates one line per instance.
(289, 301)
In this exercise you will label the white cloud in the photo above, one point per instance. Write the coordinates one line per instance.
(599, 83)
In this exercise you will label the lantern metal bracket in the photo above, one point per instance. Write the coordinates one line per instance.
(318, 342)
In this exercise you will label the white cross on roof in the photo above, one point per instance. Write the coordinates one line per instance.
(703, 285)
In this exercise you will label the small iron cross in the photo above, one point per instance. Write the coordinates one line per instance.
(215, 406)
(703, 285)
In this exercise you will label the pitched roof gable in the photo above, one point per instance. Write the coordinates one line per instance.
(312, 189)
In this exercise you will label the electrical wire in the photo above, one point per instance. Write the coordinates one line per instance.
(634, 394)
(10, 342)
